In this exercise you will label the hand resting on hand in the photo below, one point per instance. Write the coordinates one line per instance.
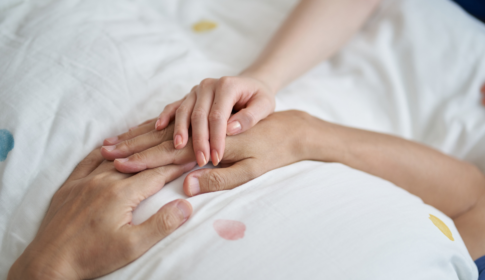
(87, 230)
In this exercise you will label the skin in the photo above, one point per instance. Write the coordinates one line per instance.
(313, 32)
(454, 187)
(87, 231)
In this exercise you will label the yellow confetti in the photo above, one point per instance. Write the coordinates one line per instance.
(204, 26)
(441, 226)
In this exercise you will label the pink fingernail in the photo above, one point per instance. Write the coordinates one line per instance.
(233, 128)
(194, 187)
(109, 148)
(122, 160)
(178, 141)
(157, 124)
(112, 140)
(201, 159)
(185, 209)
(131, 128)
(215, 158)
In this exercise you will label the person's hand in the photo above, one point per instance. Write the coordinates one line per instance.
(208, 109)
(87, 231)
(276, 141)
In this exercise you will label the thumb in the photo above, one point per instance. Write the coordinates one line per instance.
(219, 179)
(257, 109)
(165, 221)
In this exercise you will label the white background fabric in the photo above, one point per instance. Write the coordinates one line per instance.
(75, 72)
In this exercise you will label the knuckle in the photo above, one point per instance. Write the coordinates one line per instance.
(128, 145)
(227, 81)
(216, 182)
(199, 140)
(182, 111)
(167, 223)
(126, 135)
(138, 157)
(114, 192)
(166, 147)
(95, 181)
(161, 135)
(206, 82)
(198, 114)
(160, 174)
(250, 118)
(169, 107)
(216, 116)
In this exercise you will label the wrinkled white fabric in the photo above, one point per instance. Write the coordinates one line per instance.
(75, 72)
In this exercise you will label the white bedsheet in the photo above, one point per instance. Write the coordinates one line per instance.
(75, 72)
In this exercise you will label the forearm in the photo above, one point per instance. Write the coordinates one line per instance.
(450, 185)
(314, 31)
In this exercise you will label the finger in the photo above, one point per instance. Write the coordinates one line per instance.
(149, 182)
(160, 155)
(143, 123)
(200, 127)
(258, 108)
(133, 132)
(220, 112)
(137, 144)
(87, 165)
(171, 216)
(218, 179)
(108, 172)
(167, 114)
(182, 121)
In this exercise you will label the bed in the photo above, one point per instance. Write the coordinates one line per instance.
(73, 73)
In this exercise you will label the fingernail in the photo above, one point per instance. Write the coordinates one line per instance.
(194, 187)
(112, 140)
(157, 124)
(215, 158)
(185, 209)
(131, 128)
(109, 148)
(122, 160)
(233, 128)
(178, 141)
(201, 159)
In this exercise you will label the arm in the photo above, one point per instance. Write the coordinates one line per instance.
(313, 32)
(454, 187)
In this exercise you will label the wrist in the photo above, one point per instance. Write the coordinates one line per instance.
(324, 141)
(272, 83)
(37, 266)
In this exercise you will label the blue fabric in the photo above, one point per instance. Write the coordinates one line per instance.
(6, 143)
(481, 268)
(474, 7)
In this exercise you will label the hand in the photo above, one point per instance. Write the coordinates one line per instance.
(276, 141)
(208, 108)
(87, 231)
